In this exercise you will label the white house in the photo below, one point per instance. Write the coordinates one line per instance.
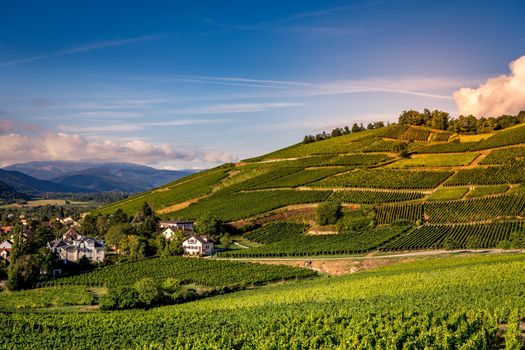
(73, 249)
(177, 225)
(5, 249)
(197, 245)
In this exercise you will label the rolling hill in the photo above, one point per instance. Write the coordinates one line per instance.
(450, 191)
(99, 177)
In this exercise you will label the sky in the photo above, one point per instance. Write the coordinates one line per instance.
(178, 84)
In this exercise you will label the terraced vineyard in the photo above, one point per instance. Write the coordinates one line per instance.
(290, 239)
(457, 236)
(471, 210)
(375, 197)
(199, 271)
(396, 179)
(400, 172)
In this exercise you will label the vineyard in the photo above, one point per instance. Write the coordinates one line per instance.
(179, 191)
(44, 298)
(301, 177)
(202, 272)
(506, 206)
(375, 197)
(396, 179)
(289, 239)
(504, 155)
(511, 174)
(457, 236)
(443, 303)
(436, 160)
(415, 134)
(237, 206)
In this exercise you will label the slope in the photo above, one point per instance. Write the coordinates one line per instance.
(367, 172)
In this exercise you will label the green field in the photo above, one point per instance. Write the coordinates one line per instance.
(450, 193)
(448, 303)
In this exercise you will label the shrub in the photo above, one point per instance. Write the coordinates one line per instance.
(120, 298)
(328, 213)
(149, 291)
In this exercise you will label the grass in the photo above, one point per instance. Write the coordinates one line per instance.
(481, 191)
(473, 138)
(448, 193)
(436, 160)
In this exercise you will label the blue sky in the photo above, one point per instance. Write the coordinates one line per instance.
(179, 85)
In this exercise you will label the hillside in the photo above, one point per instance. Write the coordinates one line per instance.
(99, 177)
(452, 191)
(457, 302)
(32, 186)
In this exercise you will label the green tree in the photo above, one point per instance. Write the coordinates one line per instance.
(328, 213)
(23, 273)
(149, 291)
(210, 225)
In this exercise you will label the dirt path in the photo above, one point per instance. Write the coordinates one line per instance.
(179, 206)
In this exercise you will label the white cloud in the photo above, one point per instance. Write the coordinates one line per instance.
(501, 95)
(17, 148)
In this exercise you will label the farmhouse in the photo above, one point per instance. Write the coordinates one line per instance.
(73, 249)
(197, 245)
(5, 249)
(178, 225)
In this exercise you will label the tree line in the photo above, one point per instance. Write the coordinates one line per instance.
(440, 120)
(343, 131)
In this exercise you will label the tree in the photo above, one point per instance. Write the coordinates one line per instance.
(23, 273)
(402, 150)
(89, 226)
(225, 240)
(328, 213)
(149, 291)
(210, 225)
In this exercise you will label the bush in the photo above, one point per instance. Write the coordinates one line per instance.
(328, 213)
(120, 298)
(149, 291)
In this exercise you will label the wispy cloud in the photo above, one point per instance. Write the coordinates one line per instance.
(79, 49)
(129, 127)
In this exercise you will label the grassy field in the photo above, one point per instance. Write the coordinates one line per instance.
(481, 191)
(43, 202)
(447, 303)
(450, 193)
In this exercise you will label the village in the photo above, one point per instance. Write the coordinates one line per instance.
(73, 244)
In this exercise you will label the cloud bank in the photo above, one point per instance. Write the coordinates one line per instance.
(501, 95)
(16, 147)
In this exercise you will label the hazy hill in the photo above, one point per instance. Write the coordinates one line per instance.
(99, 177)
(27, 184)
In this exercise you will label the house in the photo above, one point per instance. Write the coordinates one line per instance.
(197, 245)
(71, 234)
(170, 232)
(73, 249)
(6, 229)
(180, 225)
(5, 249)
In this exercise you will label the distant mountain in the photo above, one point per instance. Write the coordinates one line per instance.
(21, 182)
(8, 194)
(50, 170)
(100, 177)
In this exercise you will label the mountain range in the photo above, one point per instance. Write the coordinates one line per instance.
(36, 178)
